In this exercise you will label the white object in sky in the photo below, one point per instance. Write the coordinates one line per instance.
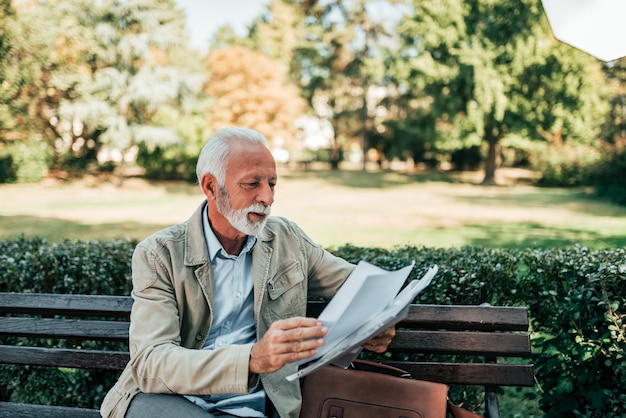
(597, 27)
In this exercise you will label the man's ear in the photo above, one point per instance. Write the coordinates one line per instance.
(209, 186)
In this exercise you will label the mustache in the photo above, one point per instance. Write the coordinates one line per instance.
(259, 208)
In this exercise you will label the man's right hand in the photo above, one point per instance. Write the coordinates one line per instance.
(286, 341)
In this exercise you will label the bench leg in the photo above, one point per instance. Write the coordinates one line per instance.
(491, 403)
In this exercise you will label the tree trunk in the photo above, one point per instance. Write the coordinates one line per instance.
(335, 151)
(364, 140)
(119, 171)
(491, 163)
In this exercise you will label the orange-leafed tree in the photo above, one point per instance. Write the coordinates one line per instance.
(251, 90)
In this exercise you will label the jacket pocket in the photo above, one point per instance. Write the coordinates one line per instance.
(287, 292)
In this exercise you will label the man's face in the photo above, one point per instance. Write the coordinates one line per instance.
(248, 193)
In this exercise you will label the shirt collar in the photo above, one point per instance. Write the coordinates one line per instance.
(213, 244)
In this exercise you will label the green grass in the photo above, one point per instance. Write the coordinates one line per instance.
(381, 209)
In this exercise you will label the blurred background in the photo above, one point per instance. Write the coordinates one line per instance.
(455, 132)
(393, 121)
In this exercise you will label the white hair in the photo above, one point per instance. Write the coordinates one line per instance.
(214, 154)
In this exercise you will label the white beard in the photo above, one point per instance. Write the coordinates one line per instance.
(238, 218)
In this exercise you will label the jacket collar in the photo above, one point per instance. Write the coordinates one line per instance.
(196, 252)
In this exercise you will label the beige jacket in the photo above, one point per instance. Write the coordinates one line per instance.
(173, 300)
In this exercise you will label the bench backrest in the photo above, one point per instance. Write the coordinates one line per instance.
(476, 336)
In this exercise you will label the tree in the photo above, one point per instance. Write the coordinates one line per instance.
(10, 77)
(102, 73)
(488, 70)
(136, 75)
(252, 90)
(338, 62)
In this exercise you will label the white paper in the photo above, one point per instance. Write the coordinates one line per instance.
(366, 308)
(369, 290)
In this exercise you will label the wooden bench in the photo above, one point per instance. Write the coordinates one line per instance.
(465, 332)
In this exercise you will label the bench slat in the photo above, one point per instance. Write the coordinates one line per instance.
(431, 342)
(425, 316)
(22, 410)
(64, 328)
(457, 317)
(64, 357)
(469, 373)
(53, 304)
(464, 343)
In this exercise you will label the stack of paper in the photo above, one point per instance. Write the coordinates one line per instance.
(364, 306)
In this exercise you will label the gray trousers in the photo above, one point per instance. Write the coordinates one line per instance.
(157, 405)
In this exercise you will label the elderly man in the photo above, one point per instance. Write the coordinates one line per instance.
(220, 300)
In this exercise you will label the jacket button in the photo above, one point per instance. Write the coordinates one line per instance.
(199, 337)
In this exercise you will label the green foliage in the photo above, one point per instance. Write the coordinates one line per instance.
(7, 168)
(167, 163)
(565, 165)
(489, 69)
(576, 299)
(82, 267)
(609, 177)
(35, 265)
(577, 302)
(24, 162)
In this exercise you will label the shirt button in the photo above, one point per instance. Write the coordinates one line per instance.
(238, 294)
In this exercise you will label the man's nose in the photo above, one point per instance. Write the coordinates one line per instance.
(266, 195)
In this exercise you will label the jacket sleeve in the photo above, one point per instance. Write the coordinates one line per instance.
(159, 362)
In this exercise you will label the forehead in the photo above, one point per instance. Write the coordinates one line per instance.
(250, 160)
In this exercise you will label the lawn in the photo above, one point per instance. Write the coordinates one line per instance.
(382, 209)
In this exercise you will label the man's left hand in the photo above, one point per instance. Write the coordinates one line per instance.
(380, 342)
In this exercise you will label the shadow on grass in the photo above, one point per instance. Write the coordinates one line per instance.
(579, 200)
(374, 180)
(53, 228)
(501, 235)
(533, 235)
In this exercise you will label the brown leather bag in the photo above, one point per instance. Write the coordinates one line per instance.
(371, 390)
(458, 412)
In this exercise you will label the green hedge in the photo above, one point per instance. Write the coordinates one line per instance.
(576, 299)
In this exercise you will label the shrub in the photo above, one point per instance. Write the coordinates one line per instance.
(7, 168)
(576, 299)
(24, 162)
(577, 305)
(34, 265)
(565, 166)
(169, 163)
(609, 177)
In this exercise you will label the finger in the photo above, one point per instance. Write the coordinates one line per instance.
(284, 331)
(376, 348)
(301, 334)
(388, 333)
(295, 322)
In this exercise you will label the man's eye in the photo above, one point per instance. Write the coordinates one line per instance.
(272, 185)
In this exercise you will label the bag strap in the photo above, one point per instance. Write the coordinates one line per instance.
(372, 366)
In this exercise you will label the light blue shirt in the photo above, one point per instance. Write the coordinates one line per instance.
(233, 320)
